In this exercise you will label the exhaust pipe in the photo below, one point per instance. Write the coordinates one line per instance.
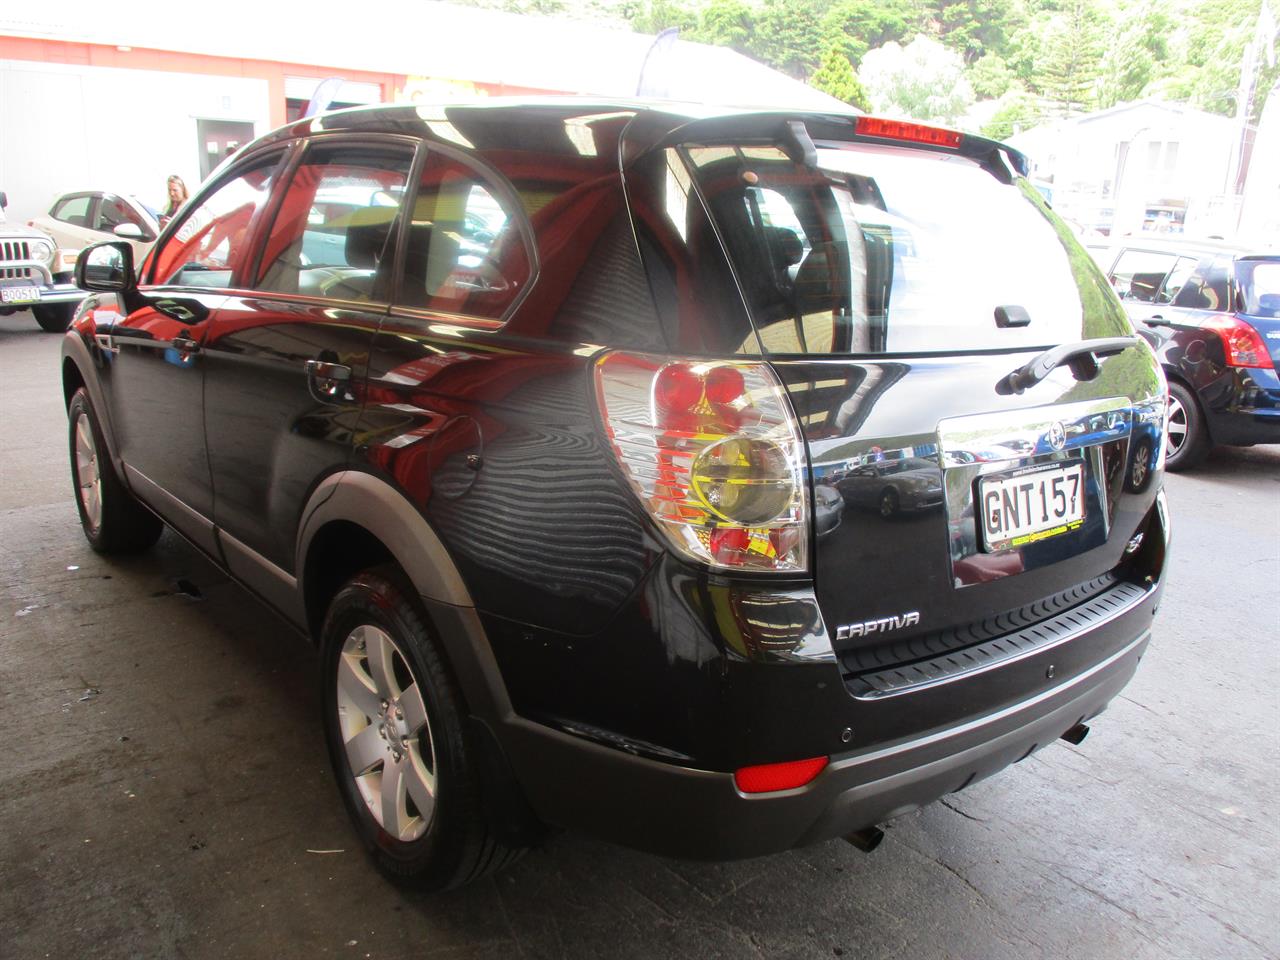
(866, 839)
(1076, 734)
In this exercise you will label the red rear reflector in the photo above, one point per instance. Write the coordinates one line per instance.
(902, 130)
(770, 777)
(1244, 347)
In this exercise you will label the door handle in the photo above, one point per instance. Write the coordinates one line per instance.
(1156, 320)
(328, 381)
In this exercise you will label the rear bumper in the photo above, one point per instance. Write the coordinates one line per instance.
(1245, 426)
(674, 810)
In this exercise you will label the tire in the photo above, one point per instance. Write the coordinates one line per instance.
(112, 520)
(376, 649)
(889, 502)
(1188, 440)
(55, 317)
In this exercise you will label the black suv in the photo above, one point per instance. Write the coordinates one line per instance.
(521, 411)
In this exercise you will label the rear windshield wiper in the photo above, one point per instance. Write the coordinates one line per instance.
(1082, 357)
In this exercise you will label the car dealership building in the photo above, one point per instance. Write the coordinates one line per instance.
(74, 84)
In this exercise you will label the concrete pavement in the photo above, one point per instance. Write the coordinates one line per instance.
(164, 789)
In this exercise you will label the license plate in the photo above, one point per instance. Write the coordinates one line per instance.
(1023, 508)
(19, 294)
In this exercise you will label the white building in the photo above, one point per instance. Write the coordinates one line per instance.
(92, 98)
(1147, 165)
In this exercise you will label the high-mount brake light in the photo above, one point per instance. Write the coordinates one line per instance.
(912, 132)
(1243, 345)
(713, 451)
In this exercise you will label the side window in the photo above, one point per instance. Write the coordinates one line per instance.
(73, 210)
(465, 253)
(1206, 288)
(212, 240)
(1139, 274)
(112, 211)
(332, 236)
(1177, 280)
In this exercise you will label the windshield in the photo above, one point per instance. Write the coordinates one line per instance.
(1260, 286)
(897, 250)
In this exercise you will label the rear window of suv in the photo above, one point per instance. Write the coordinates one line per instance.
(895, 250)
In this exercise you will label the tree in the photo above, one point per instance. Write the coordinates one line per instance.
(1071, 59)
(923, 81)
(789, 36)
(836, 77)
(990, 77)
(1137, 55)
(1018, 111)
(659, 15)
(862, 25)
(726, 23)
(974, 27)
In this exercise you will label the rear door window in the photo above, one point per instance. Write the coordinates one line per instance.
(464, 252)
(332, 236)
(1140, 274)
(891, 250)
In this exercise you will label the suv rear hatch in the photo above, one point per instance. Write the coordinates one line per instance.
(895, 287)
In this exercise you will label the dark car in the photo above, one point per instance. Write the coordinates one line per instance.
(910, 484)
(1212, 312)
(556, 503)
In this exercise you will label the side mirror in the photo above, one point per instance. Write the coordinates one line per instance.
(106, 267)
(129, 231)
(4, 199)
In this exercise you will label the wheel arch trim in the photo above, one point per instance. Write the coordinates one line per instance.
(366, 501)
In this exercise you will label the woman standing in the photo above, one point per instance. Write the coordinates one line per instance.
(177, 197)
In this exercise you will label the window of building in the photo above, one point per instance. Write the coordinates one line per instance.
(333, 236)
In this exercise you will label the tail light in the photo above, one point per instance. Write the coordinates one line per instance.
(714, 453)
(1244, 347)
(905, 130)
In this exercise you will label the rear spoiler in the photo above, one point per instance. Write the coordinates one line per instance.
(798, 133)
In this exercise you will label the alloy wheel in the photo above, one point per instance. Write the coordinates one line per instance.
(88, 474)
(1177, 425)
(386, 734)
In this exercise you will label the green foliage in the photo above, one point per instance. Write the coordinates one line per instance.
(836, 77)
(862, 25)
(726, 23)
(990, 77)
(1138, 53)
(1070, 61)
(974, 27)
(659, 15)
(789, 36)
(923, 81)
(1018, 111)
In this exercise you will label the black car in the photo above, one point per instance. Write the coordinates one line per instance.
(556, 499)
(1212, 312)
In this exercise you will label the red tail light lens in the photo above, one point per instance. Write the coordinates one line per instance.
(770, 777)
(714, 453)
(913, 132)
(1244, 347)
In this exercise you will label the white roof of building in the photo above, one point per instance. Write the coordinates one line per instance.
(426, 39)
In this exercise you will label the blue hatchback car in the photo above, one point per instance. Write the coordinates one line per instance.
(1212, 313)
